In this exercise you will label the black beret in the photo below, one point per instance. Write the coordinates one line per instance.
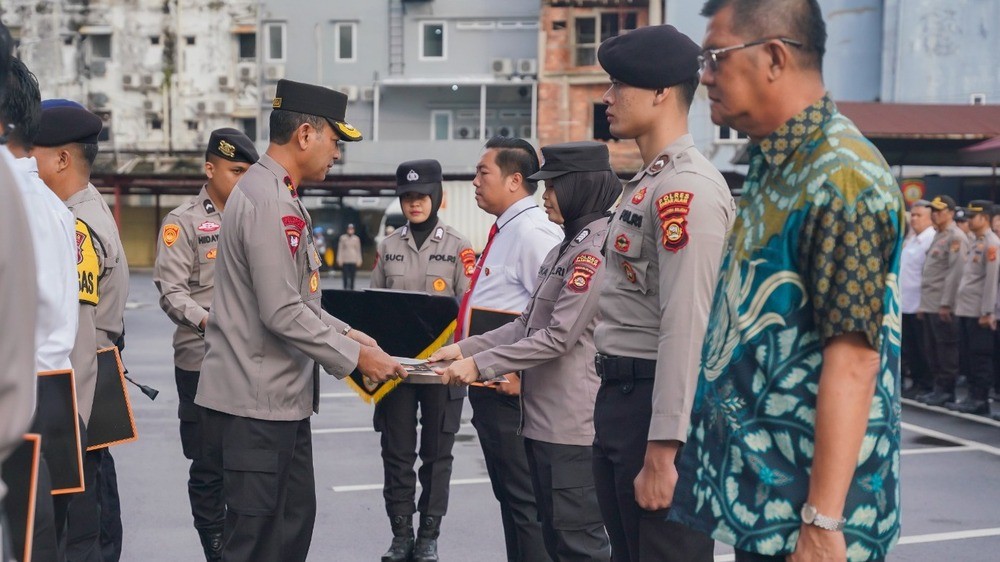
(420, 176)
(583, 156)
(942, 202)
(231, 144)
(318, 101)
(977, 206)
(651, 57)
(66, 124)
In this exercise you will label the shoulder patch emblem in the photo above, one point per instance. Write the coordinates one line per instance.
(293, 232)
(170, 234)
(584, 268)
(209, 226)
(629, 271)
(991, 253)
(956, 245)
(622, 243)
(88, 269)
(673, 209)
(639, 196)
(440, 285)
(468, 258)
(210, 255)
(314, 282)
(582, 236)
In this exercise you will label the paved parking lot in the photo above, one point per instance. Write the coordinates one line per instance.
(951, 473)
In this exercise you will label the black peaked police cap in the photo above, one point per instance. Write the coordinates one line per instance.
(420, 176)
(583, 156)
(319, 101)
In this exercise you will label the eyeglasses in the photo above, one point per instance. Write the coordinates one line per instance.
(709, 58)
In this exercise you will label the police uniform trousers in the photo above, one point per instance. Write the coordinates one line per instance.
(941, 345)
(563, 480)
(621, 421)
(268, 484)
(204, 478)
(396, 419)
(85, 516)
(496, 418)
(914, 359)
(977, 347)
(44, 546)
(996, 362)
(745, 556)
(349, 270)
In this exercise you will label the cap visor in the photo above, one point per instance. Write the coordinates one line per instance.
(546, 175)
(346, 131)
(422, 188)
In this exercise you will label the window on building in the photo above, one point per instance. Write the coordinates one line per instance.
(100, 46)
(154, 121)
(432, 40)
(275, 42)
(590, 31)
(602, 130)
(189, 40)
(345, 39)
(249, 127)
(441, 125)
(247, 46)
(726, 134)
(154, 40)
(192, 125)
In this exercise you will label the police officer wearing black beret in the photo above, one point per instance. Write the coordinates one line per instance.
(428, 256)
(184, 274)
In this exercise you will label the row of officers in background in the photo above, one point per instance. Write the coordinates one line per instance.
(949, 276)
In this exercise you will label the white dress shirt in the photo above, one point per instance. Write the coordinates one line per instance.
(54, 236)
(911, 266)
(510, 270)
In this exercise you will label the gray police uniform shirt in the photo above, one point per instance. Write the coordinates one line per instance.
(553, 343)
(348, 249)
(664, 249)
(18, 302)
(943, 269)
(266, 330)
(442, 266)
(184, 273)
(102, 323)
(977, 291)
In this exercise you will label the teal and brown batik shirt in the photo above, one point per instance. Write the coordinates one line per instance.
(814, 254)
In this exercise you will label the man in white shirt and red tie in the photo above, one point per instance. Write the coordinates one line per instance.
(504, 280)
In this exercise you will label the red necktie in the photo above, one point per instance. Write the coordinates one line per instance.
(463, 309)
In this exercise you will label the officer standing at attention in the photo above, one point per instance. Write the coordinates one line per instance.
(938, 288)
(553, 343)
(504, 279)
(267, 334)
(663, 255)
(65, 149)
(975, 302)
(349, 256)
(184, 274)
(427, 256)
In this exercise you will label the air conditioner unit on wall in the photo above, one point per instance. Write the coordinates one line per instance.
(154, 80)
(130, 80)
(525, 131)
(527, 66)
(349, 90)
(368, 94)
(246, 71)
(502, 67)
(223, 107)
(225, 83)
(465, 132)
(505, 130)
(274, 72)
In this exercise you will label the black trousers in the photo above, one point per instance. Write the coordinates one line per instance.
(996, 362)
(621, 420)
(914, 358)
(745, 556)
(85, 518)
(349, 270)
(44, 545)
(268, 484)
(204, 477)
(496, 418)
(977, 347)
(941, 345)
(563, 481)
(396, 419)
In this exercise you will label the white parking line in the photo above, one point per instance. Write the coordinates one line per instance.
(368, 487)
(932, 450)
(952, 438)
(917, 539)
(939, 410)
(339, 395)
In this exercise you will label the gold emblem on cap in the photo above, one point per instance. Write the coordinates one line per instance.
(276, 103)
(227, 149)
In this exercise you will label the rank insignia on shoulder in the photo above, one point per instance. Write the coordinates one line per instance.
(468, 258)
(293, 232)
(440, 285)
(170, 234)
(658, 165)
(582, 236)
(209, 206)
(673, 210)
(291, 187)
(584, 268)
(439, 233)
(639, 196)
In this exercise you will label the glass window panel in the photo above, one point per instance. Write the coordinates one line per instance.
(433, 45)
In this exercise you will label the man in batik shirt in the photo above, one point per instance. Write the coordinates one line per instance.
(794, 442)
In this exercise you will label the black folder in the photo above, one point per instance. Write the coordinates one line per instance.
(20, 474)
(111, 418)
(58, 422)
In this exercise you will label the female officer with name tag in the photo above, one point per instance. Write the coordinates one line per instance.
(428, 256)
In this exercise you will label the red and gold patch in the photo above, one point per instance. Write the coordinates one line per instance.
(314, 282)
(639, 196)
(991, 253)
(673, 210)
(211, 254)
(468, 258)
(209, 226)
(440, 285)
(622, 243)
(629, 271)
(291, 187)
(293, 232)
(584, 268)
(956, 246)
(170, 234)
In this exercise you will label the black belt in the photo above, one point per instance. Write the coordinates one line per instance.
(615, 369)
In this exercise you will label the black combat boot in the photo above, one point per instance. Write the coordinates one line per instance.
(211, 542)
(402, 539)
(426, 549)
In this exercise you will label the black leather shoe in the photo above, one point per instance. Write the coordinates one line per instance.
(211, 543)
(402, 540)
(938, 398)
(426, 550)
(974, 407)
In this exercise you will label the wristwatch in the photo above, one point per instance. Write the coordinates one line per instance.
(345, 330)
(810, 516)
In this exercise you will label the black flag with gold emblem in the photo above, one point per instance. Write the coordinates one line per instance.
(405, 324)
